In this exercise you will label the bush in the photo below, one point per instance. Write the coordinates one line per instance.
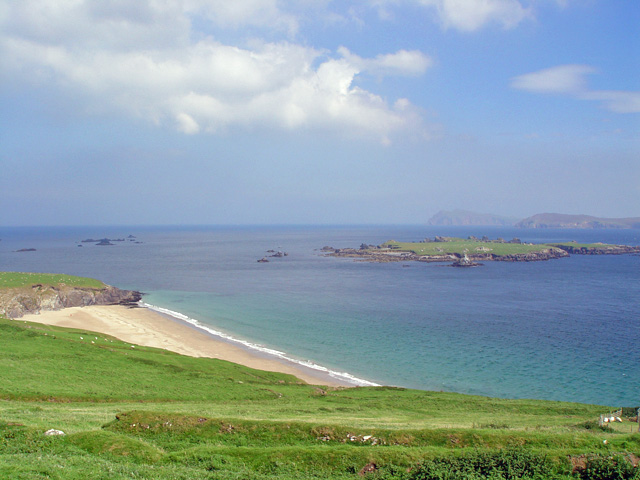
(511, 464)
(616, 467)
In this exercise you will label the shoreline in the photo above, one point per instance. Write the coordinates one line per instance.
(317, 371)
(160, 328)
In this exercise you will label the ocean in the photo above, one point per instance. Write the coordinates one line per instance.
(566, 329)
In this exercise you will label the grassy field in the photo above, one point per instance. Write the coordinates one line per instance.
(18, 280)
(148, 413)
(136, 412)
(460, 246)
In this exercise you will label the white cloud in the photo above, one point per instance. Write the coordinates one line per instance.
(84, 24)
(471, 15)
(616, 101)
(143, 58)
(241, 13)
(570, 80)
(187, 124)
(561, 79)
(403, 62)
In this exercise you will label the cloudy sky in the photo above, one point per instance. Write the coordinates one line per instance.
(316, 111)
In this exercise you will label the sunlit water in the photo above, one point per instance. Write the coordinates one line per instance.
(565, 329)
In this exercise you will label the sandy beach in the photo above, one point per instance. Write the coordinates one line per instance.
(142, 326)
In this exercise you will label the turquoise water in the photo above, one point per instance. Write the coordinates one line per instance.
(566, 329)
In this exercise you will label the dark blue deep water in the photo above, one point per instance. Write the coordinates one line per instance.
(565, 329)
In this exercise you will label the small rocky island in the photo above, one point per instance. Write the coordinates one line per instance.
(274, 254)
(467, 252)
(109, 241)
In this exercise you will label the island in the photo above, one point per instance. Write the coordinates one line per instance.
(102, 241)
(560, 220)
(539, 220)
(466, 252)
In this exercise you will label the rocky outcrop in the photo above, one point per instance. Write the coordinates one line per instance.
(16, 302)
(599, 250)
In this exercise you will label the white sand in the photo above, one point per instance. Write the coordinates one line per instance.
(142, 326)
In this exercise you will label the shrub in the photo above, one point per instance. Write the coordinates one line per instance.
(616, 467)
(511, 464)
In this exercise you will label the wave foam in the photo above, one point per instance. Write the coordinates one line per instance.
(342, 376)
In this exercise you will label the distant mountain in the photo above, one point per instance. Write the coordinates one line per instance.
(464, 217)
(560, 220)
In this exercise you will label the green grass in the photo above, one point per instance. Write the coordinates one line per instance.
(147, 413)
(140, 412)
(459, 246)
(19, 280)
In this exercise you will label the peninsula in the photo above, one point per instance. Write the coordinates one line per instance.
(473, 249)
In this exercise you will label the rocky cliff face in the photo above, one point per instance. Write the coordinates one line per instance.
(16, 302)
(600, 250)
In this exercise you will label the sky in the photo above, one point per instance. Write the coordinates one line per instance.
(119, 112)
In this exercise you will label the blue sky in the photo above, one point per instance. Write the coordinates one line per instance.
(316, 111)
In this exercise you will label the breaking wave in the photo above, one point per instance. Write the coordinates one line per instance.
(341, 376)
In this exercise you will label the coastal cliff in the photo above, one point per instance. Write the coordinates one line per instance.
(16, 302)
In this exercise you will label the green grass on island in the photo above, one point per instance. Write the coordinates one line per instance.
(460, 246)
(138, 412)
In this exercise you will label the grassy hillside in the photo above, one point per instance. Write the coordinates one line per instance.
(136, 412)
